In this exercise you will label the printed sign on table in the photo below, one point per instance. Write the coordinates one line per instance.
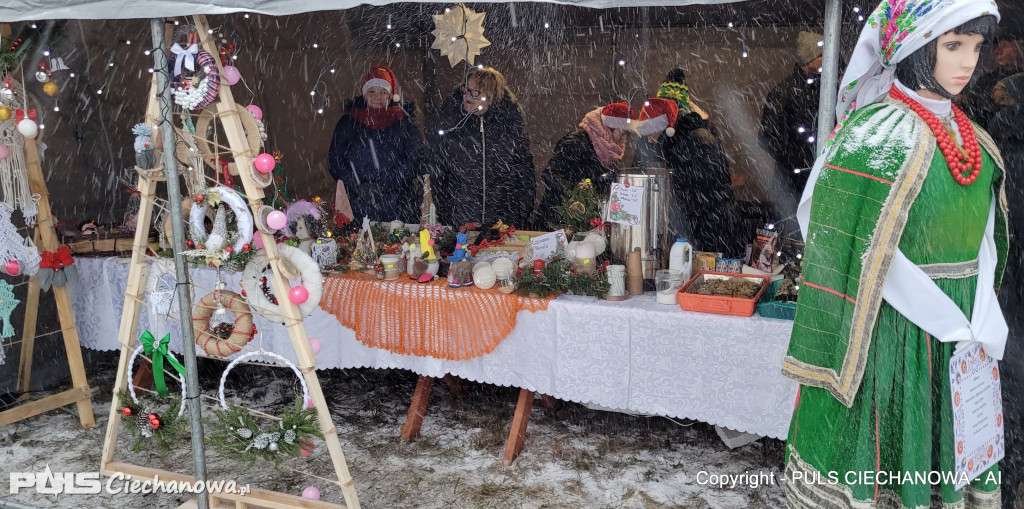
(977, 413)
(625, 204)
(548, 245)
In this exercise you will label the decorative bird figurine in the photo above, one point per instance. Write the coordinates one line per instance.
(145, 158)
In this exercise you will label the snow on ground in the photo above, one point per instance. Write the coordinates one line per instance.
(574, 457)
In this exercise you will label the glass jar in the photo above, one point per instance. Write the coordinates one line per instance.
(667, 283)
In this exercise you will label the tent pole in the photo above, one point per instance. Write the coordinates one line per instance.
(162, 70)
(829, 72)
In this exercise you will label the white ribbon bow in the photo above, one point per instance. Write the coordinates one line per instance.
(186, 55)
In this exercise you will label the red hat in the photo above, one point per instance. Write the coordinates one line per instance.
(381, 76)
(617, 116)
(656, 116)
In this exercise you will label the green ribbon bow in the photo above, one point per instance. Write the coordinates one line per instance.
(158, 351)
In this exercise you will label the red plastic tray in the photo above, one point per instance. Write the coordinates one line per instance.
(720, 305)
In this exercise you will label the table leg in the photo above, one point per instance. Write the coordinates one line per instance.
(418, 408)
(550, 403)
(517, 435)
(458, 386)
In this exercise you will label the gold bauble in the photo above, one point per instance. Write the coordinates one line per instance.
(5, 113)
(51, 88)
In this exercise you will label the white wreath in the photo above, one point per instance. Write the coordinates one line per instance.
(174, 375)
(161, 298)
(243, 218)
(268, 355)
(309, 272)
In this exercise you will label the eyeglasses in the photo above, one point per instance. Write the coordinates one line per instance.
(470, 92)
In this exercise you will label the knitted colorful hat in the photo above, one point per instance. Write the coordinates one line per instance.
(675, 88)
(657, 115)
(381, 76)
(617, 116)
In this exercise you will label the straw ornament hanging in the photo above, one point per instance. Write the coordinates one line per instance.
(221, 244)
(195, 87)
(292, 260)
(165, 426)
(215, 305)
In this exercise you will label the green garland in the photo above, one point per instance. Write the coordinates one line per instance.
(166, 434)
(559, 277)
(235, 432)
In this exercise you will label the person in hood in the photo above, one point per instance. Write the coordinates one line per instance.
(701, 182)
(593, 150)
(479, 159)
(376, 151)
(789, 122)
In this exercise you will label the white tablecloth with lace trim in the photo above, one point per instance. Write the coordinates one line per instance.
(636, 356)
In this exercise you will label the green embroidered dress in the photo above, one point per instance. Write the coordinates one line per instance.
(875, 389)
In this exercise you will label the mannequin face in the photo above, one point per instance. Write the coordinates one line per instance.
(956, 57)
(377, 97)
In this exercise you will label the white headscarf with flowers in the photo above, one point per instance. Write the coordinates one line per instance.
(894, 31)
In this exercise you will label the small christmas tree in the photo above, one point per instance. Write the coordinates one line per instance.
(579, 208)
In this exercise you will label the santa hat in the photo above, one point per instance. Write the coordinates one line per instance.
(617, 116)
(657, 115)
(381, 76)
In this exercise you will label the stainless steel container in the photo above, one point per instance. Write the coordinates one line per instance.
(651, 235)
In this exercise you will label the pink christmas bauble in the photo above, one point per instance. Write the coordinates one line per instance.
(257, 240)
(311, 492)
(12, 267)
(276, 220)
(265, 163)
(298, 295)
(255, 110)
(315, 345)
(309, 403)
(305, 452)
(4, 151)
(231, 74)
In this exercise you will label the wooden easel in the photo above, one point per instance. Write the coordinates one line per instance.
(46, 240)
(134, 294)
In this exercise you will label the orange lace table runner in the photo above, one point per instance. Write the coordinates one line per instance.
(425, 319)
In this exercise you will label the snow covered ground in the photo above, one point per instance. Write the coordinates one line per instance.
(574, 457)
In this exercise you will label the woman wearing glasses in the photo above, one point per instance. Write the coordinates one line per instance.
(479, 159)
(375, 151)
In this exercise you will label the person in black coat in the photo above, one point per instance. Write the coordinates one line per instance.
(1006, 131)
(789, 121)
(479, 159)
(591, 151)
(701, 182)
(376, 151)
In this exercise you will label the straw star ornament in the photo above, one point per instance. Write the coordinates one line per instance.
(459, 34)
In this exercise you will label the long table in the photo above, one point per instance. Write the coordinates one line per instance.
(636, 356)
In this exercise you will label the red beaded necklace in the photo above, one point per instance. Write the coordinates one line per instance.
(960, 160)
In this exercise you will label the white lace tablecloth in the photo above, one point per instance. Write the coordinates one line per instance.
(636, 356)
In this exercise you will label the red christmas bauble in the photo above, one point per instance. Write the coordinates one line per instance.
(126, 411)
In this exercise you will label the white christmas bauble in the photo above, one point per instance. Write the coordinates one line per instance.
(599, 242)
(28, 128)
(6, 95)
(483, 276)
(42, 77)
(502, 268)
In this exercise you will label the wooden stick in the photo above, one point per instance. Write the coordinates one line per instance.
(417, 408)
(517, 435)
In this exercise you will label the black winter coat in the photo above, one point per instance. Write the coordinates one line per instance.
(378, 167)
(702, 185)
(788, 125)
(1005, 128)
(465, 188)
(572, 160)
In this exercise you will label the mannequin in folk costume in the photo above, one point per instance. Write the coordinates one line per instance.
(905, 220)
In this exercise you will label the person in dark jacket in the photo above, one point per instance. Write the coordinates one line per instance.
(479, 159)
(591, 151)
(789, 122)
(1006, 131)
(981, 103)
(701, 182)
(376, 150)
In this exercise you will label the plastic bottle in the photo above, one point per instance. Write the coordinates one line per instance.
(681, 258)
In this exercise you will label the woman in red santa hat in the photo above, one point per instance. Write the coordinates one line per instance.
(593, 150)
(376, 150)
